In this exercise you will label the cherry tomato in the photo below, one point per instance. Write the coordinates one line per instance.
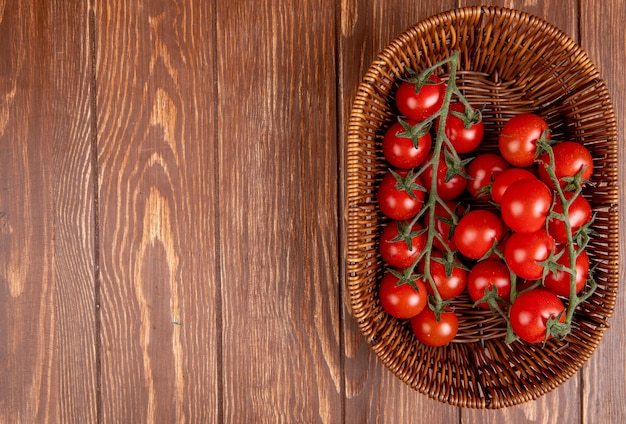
(448, 286)
(425, 102)
(432, 332)
(393, 243)
(523, 251)
(477, 232)
(446, 190)
(569, 158)
(485, 275)
(505, 179)
(525, 205)
(402, 300)
(518, 139)
(530, 313)
(442, 225)
(579, 213)
(558, 282)
(393, 196)
(464, 139)
(400, 151)
(483, 170)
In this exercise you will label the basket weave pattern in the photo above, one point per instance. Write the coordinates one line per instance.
(513, 63)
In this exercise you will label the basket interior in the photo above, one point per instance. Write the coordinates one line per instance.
(512, 63)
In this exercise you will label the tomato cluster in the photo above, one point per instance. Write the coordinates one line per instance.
(514, 250)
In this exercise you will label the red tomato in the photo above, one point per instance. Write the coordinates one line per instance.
(432, 332)
(525, 205)
(401, 301)
(518, 139)
(505, 179)
(423, 103)
(446, 190)
(394, 199)
(483, 169)
(393, 244)
(399, 149)
(579, 213)
(442, 226)
(523, 251)
(448, 286)
(485, 275)
(569, 158)
(558, 282)
(464, 139)
(476, 233)
(530, 313)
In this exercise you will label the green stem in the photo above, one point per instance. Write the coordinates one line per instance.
(574, 299)
(442, 114)
(433, 198)
(513, 294)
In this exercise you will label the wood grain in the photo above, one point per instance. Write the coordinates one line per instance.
(278, 211)
(373, 393)
(604, 388)
(47, 336)
(171, 214)
(158, 254)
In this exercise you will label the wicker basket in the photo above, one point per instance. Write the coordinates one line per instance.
(512, 62)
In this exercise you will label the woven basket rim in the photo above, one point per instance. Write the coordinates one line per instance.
(381, 73)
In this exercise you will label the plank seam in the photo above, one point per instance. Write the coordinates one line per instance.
(218, 251)
(96, 213)
(340, 206)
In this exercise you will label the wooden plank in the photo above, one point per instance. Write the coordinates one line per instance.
(603, 36)
(278, 211)
(563, 403)
(156, 158)
(47, 336)
(373, 393)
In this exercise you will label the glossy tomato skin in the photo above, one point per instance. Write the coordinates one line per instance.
(483, 169)
(569, 158)
(441, 226)
(507, 177)
(518, 139)
(531, 311)
(401, 301)
(476, 233)
(397, 253)
(525, 205)
(448, 286)
(485, 275)
(579, 213)
(558, 282)
(400, 151)
(446, 190)
(432, 332)
(463, 139)
(396, 203)
(423, 104)
(523, 252)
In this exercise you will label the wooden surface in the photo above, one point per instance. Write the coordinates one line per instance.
(171, 214)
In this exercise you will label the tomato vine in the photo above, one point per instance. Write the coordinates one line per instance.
(444, 154)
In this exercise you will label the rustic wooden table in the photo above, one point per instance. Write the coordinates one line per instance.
(171, 214)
